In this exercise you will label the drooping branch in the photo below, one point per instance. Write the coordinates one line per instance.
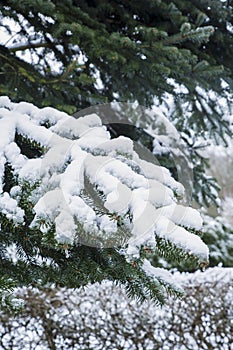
(29, 46)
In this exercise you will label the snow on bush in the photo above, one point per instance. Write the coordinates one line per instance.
(101, 317)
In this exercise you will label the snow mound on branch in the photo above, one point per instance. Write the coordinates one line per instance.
(91, 183)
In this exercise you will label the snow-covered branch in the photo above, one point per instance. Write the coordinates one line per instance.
(88, 188)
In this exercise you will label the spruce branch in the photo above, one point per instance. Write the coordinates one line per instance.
(200, 35)
(74, 193)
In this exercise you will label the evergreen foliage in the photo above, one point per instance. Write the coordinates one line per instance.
(59, 215)
(140, 44)
(139, 51)
(153, 48)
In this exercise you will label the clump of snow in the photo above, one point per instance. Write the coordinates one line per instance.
(159, 273)
(181, 215)
(5, 102)
(88, 181)
(161, 174)
(9, 207)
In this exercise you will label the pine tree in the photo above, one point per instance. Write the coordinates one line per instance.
(139, 51)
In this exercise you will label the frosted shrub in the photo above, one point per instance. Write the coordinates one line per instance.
(102, 317)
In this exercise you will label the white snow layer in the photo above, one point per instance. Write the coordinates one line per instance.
(87, 178)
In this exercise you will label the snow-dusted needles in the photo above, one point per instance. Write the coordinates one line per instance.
(90, 189)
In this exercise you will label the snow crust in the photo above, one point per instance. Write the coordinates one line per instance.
(90, 182)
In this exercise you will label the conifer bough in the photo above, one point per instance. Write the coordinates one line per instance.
(78, 207)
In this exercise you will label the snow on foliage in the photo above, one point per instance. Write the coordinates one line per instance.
(84, 181)
(102, 317)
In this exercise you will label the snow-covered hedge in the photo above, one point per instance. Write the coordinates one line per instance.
(101, 317)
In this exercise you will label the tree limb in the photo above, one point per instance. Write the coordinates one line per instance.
(29, 46)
